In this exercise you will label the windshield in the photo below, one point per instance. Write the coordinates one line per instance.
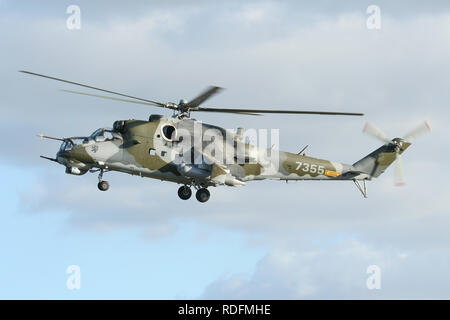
(68, 144)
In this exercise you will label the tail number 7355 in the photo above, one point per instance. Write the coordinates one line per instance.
(311, 168)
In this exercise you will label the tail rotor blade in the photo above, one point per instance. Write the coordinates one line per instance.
(421, 129)
(399, 172)
(373, 131)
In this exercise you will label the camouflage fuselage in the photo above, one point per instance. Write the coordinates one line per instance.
(182, 151)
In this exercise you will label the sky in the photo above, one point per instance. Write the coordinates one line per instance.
(266, 240)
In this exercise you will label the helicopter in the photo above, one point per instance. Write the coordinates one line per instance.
(197, 155)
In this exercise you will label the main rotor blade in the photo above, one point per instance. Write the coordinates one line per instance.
(258, 111)
(115, 99)
(226, 111)
(156, 103)
(194, 103)
(421, 129)
(399, 173)
(375, 132)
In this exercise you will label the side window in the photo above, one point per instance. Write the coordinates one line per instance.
(100, 138)
(152, 151)
(66, 146)
(108, 135)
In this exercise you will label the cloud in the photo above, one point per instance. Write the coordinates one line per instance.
(123, 206)
(293, 273)
(335, 62)
(337, 271)
(268, 56)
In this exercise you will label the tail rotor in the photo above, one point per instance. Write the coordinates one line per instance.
(398, 145)
(424, 127)
(399, 175)
(373, 131)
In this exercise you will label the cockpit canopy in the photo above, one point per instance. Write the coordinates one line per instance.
(104, 134)
(69, 143)
(99, 135)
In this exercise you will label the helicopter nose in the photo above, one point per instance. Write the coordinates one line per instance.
(63, 156)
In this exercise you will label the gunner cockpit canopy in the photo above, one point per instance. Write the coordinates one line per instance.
(104, 134)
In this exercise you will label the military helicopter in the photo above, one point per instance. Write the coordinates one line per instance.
(196, 155)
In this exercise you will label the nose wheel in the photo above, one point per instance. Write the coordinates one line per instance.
(184, 192)
(102, 185)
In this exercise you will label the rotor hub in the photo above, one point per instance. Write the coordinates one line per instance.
(183, 106)
(398, 144)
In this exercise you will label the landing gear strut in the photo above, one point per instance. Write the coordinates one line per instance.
(202, 195)
(102, 185)
(184, 192)
(362, 188)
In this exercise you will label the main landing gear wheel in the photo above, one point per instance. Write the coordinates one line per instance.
(202, 195)
(184, 192)
(103, 185)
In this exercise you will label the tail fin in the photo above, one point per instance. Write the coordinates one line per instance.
(375, 163)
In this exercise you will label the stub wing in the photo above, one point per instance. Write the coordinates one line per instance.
(221, 175)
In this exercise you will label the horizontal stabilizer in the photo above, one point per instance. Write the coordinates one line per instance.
(352, 173)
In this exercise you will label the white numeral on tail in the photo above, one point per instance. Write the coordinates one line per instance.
(313, 168)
